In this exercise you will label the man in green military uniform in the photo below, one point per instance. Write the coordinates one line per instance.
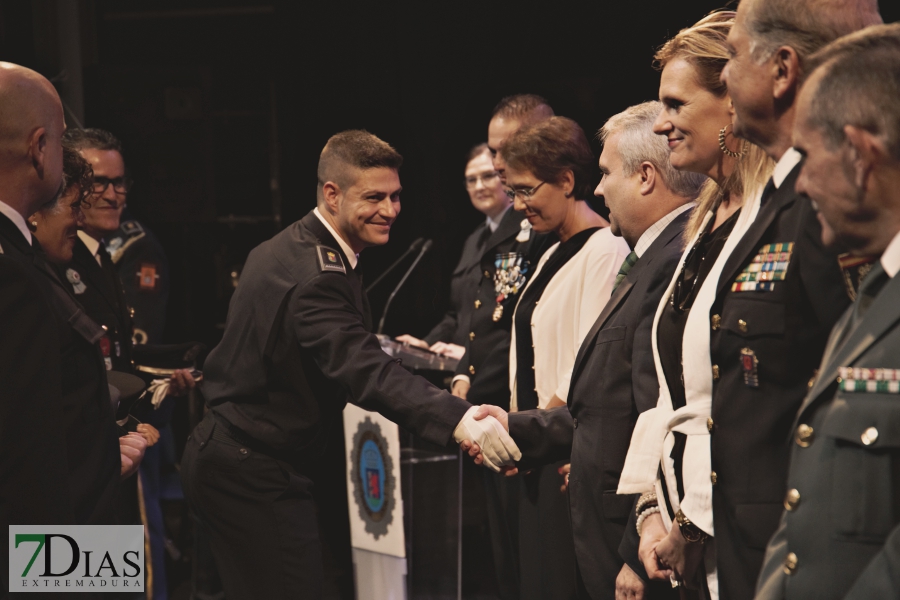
(840, 534)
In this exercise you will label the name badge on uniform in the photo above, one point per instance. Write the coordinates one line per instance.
(873, 381)
(768, 266)
(510, 276)
(750, 367)
(75, 279)
(330, 260)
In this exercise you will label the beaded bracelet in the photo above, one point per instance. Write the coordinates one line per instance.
(643, 516)
(645, 501)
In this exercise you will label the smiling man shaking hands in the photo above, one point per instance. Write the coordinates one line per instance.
(297, 347)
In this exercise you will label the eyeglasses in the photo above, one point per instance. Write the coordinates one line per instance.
(121, 185)
(524, 194)
(487, 179)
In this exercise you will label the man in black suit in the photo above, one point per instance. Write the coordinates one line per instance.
(59, 457)
(768, 326)
(297, 347)
(614, 377)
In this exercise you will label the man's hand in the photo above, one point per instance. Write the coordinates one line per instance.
(180, 382)
(460, 388)
(412, 341)
(681, 556)
(628, 585)
(149, 432)
(564, 471)
(131, 449)
(653, 531)
(451, 350)
(488, 410)
(488, 437)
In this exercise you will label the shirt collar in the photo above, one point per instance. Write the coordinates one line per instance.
(352, 256)
(649, 236)
(890, 260)
(14, 216)
(93, 245)
(784, 166)
(493, 224)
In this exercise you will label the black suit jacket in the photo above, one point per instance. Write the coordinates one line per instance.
(78, 405)
(454, 327)
(786, 329)
(486, 361)
(613, 381)
(298, 346)
(103, 298)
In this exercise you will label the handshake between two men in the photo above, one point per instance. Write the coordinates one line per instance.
(483, 433)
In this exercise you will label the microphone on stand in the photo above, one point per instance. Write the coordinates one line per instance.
(412, 248)
(425, 247)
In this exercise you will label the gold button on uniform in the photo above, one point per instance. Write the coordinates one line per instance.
(869, 436)
(709, 424)
(791, 500)
(715, 370)
(713, 477)
(812, 380)
(471, 370)
(487, 275)
(742, 325)
(478, 304)
(804, 436)
(471, 335)
(790, 563)
(716, 322)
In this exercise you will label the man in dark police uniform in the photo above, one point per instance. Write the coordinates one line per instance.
(297, 347)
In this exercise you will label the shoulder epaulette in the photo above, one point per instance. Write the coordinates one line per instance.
(129, 232)
(330, 260)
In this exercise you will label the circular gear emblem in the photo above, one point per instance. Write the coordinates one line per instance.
(373, 478)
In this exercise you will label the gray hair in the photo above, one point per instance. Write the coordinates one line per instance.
(638, 144)
(804, 25)
(859, 84)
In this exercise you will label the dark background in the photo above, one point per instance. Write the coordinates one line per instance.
(224, 105)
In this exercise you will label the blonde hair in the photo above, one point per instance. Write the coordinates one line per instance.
(703, 47)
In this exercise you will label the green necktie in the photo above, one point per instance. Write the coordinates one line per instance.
(626, 266)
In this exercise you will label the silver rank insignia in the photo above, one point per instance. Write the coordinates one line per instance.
(510, 276)
(750, 366)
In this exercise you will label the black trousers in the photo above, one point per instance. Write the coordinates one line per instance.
(258, 514)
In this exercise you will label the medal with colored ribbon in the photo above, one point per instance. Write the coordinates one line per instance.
(509, 277)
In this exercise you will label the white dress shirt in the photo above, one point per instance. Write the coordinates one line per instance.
(890, 260)
(13, 215)
(649, 236)
(92, 245)
(571, 302)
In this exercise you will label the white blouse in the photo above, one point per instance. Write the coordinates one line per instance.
(571, 302)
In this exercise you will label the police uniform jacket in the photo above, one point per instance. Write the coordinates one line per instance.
(486, 361)
(298, 346)
(765, 345)
(454, 327)
(613, 380)
(144, 271)
(100, 292)
(77, 409)
(839, 535)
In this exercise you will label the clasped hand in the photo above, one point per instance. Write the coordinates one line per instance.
(484, 434)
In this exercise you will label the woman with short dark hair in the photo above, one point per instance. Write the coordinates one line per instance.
(549, 167)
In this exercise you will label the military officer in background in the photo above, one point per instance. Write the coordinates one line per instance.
(488, 196)
(839, 536)
(297, 347)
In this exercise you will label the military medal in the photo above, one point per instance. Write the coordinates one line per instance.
(75, 279)
(105, 348)
(750, 364)
(524, 232)
(877, 381)
(768, 266)
(509, 278)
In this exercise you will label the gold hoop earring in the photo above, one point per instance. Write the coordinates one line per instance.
(724, 148)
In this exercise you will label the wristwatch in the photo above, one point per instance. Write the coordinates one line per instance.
(691, 533)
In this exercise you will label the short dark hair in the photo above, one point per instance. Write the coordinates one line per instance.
(525, 108)
(92, 138)
(858, 84)
(549, 149)
(354, 149)
(477, 151)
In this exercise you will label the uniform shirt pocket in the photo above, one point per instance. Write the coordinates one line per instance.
(611, 334)
(865, 431)
(751, 317)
